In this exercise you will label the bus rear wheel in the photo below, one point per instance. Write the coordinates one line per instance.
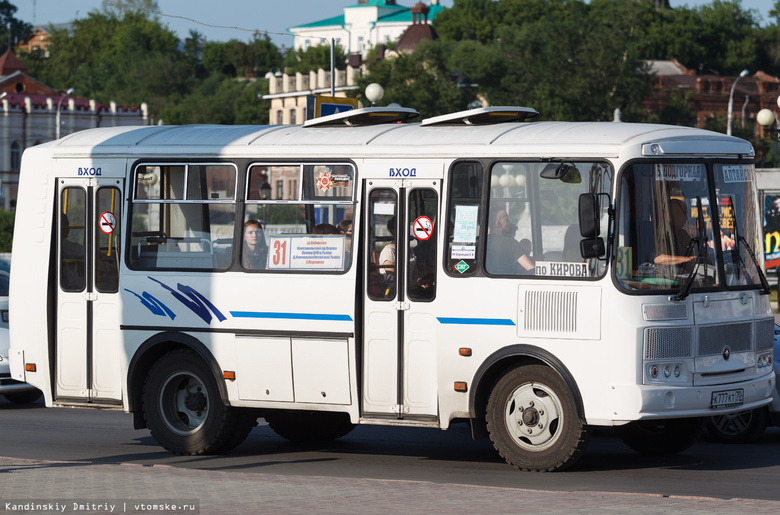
(184, 411)
(309, 426)
(661, 437)
(532, 420)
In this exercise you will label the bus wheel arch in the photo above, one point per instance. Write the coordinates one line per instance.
(148, 354)
(532, 414)
(183, 409)
(497, 364)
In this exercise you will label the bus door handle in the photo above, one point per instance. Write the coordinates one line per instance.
(90, 296)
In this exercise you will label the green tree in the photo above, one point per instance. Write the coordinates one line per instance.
(469, 20)
(721, 38)
(132, 59)
(215, 59)
(420, 80)
(6, 229)
(19, 30)
(313, 58)
(770, 43)
(580, 64)
(220, 100)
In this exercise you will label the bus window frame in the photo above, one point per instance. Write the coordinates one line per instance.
(536, 230)
(709, 165)
(133, 200)
(300, 165)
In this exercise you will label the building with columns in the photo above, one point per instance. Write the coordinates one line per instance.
(28, 117)
(361, 27)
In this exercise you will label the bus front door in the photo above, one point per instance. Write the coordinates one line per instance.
(88, 339)
(399, 349)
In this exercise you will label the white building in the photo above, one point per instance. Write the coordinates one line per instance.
(363, 26)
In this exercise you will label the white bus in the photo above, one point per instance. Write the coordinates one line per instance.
(534, 280)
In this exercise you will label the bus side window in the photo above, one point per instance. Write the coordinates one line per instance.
(72, 239)
(107, 250)
(421, 252)
(463, 216)
(383, 227)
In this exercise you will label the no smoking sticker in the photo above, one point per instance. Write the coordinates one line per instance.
(107, 222)
(422, 228)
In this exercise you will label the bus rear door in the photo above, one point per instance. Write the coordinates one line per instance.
(88, 338)
(399, 349)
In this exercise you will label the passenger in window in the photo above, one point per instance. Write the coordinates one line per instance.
(506, 255)
(681, 241)
(387, 256)
(325, 229)
(345, 228)
(254, 254)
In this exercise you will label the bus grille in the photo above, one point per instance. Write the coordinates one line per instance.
(669, 342)
(678, 342)
(712, 338)
(765, 334)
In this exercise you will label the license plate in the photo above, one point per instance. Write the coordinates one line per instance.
(728, 398)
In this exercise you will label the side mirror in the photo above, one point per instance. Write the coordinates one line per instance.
(589, 216)
(592, 248)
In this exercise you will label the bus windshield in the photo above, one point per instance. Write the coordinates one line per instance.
(668, 237)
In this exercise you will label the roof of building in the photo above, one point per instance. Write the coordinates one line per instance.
(402, 15)
(9, 64)
(663, 67)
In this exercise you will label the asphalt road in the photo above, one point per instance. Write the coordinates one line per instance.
(707, 469)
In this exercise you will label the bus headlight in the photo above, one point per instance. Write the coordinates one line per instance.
(667, 373)
(764, 361)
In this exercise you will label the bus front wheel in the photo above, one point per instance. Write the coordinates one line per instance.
(184, 411)
(532, 420)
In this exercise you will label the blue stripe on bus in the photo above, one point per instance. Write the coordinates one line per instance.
(475, 321)
(291, 316)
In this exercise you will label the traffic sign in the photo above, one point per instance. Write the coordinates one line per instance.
(317, 106)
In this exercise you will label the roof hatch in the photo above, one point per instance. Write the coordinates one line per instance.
(483, 116)
(365, 116)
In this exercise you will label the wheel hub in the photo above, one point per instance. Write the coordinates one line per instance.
(530, 417)
(195, 401)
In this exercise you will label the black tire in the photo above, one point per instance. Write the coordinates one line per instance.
(534, 398)
(309, 426)
(184, 411)
(661, 437)
(741, 427)
(23, 397)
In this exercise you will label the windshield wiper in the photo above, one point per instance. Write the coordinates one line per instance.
(761, 276)
(741, 262)
(685, 289)
(701, 241)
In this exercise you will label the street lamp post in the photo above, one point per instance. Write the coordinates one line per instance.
(59, 107)
(731, 101)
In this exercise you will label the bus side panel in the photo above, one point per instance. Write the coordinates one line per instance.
(29, 316)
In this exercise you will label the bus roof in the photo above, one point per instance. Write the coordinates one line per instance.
(539, 139)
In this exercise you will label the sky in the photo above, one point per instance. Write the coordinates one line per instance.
(273, 16)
